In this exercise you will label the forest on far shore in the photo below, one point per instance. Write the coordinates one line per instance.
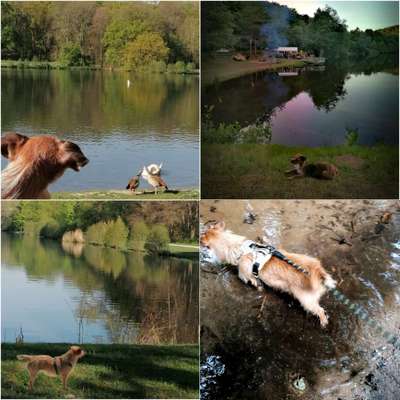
(239, 25)
(137, 225)
(105, 34)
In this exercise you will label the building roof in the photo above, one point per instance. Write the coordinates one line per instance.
(287, 49)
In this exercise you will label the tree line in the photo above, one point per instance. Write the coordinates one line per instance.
(255, 26)
(107, 34)
(115, 224)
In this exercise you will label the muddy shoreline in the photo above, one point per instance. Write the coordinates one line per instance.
(281, 352)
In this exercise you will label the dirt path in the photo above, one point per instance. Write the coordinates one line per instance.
(281, 352)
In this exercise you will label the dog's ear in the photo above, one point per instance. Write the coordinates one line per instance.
(10, 142)
(76, 349)
(302, 158)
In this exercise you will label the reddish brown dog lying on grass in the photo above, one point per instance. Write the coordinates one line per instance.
(306, 280)
(318, 170)
(35, 162)
(52, 366)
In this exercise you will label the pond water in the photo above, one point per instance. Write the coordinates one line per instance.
(120, 128)
(313, 106)
(262, 345)
(89, 294)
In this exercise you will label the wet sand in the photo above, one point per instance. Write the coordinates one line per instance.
(281, 352)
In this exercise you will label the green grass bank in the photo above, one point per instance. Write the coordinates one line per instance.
(107, 371)
(257, 171)
(223, 68)
(182, 194)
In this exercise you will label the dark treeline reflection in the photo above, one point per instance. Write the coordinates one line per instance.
(263, 96)
(99, 101)
(145, 299)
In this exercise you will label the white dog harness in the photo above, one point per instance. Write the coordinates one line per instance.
(262, 253)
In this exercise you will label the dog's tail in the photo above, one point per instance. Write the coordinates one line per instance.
(24, 357)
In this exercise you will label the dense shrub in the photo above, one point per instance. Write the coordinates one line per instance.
(158, 239)
(138, 236)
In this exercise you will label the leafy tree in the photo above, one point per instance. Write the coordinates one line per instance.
(158, 239)
(117, 36)
(138, 236)
(116, 234)
(145, 49)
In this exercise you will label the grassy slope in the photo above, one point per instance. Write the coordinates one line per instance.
(257, 171)
(186, 194)
(223, 68)
(108, 371)
(184, 250)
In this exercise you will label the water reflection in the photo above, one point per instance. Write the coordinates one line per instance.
(120, 128)
(93, 294)
(314, 106)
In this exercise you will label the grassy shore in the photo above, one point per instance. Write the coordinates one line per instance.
(107, 371)
(184, 250)
(223, 68)
(19, 64)
(182, 194)
(257, 171)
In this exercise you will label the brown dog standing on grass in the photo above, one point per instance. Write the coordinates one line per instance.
(307, 287)
(52, 366)
(35, 162)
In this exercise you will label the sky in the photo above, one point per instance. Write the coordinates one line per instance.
(361, 14)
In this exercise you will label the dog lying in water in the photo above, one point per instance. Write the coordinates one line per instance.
(52, 366)
(318, 170)
(307, 281)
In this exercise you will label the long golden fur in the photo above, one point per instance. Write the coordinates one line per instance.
(35, 162)
(52, 366)
(276, 273)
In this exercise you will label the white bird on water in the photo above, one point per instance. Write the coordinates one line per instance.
(128, 83)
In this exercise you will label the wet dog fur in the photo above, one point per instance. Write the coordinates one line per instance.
(276, 273)
(52, 366)
(35, 162)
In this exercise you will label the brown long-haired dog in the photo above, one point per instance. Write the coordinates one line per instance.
(52, 366)
(307, 287)
(318, 170)
(35, 162)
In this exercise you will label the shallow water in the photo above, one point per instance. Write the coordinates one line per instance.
(75, 293)
(313, 106)
(119, 128)
(281, 352)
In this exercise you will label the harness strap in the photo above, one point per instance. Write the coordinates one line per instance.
(275, 253)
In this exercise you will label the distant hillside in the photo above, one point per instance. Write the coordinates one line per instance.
(390, 30)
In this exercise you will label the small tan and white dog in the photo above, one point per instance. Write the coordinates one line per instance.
(306, 283)
(52, 366)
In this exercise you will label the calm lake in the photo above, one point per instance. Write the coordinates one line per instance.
(120, 126)
(95, 295)
(313, 106)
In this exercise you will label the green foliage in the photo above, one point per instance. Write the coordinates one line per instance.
(118, 35)
(232, 133)
(71, 55)
(116, 234)
(352, 136)
(138, 236)
(112, 233)
(99, 33)
(52, 230)
(158, 239)
(145, 49)
(158, 66)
